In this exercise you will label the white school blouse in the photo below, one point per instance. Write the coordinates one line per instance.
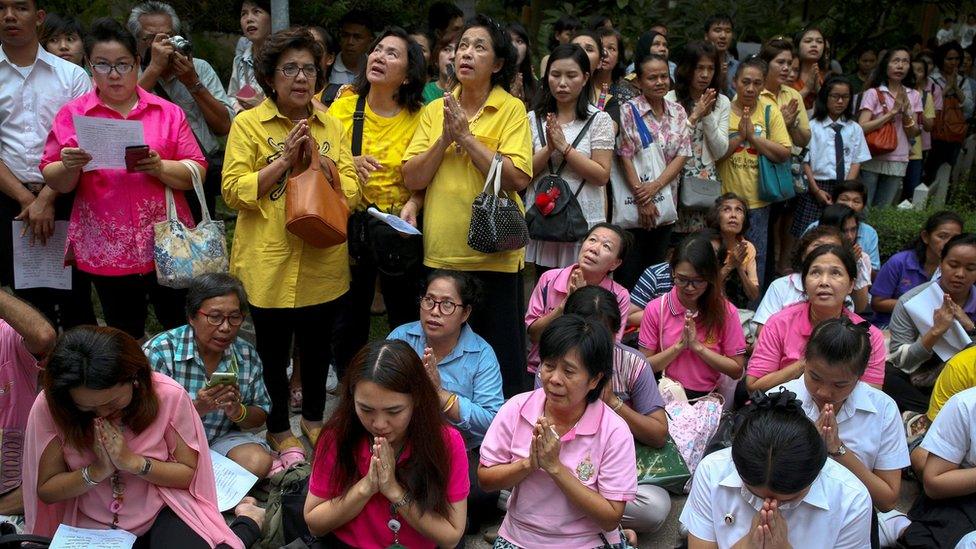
(952, 435)
(835, 512)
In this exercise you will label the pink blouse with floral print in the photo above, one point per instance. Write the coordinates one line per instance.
(671, 131)
(111, 227)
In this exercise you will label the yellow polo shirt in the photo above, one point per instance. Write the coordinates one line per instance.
(385, 139)
(740, 171)
(958, 375)
(787, 94)
(278, 269)
(501, 126)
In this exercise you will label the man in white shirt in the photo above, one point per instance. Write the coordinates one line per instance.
(34, 85)
(968, 31)
(181, 78)
(355, 37)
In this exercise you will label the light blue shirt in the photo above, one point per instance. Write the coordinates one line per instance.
(471, 371)
(867, 237)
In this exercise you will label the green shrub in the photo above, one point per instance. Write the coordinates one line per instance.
(898, 228)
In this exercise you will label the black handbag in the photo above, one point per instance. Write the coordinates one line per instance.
(497, 221)
(564, 221)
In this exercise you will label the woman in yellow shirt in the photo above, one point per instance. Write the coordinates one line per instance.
(391, 82)
(749, 137)
(449, 157)
(293, 288)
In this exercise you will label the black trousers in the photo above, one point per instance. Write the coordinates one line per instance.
(273, 330)
(170, 531)
(500, 320)
(400, 294)
(898, 385)
(482, 505)
(125, 302)
(650, 247)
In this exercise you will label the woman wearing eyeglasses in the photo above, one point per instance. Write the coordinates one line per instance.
(292, 287)
(110, 234)
(221, 372)
(461, 365)
(692, 332)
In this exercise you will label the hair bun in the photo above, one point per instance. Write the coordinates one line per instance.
(783, 400)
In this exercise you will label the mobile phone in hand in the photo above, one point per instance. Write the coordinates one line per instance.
(134, 154)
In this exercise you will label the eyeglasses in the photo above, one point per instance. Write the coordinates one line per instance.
(446, 307)
(217, 319)
(839, 97)
(685, 282)
(105, 68)
(291, 71)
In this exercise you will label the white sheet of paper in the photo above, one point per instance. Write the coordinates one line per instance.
(105, 139)
(69, 537)
(393, 221)
(922, 308)
(40, 266)
(233, 481)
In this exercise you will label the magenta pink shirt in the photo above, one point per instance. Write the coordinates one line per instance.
(870, 102)
(18, 389)
(784, 337)
(599, 451)
(368, 530)
(176, 420)
(111, 228)
(658, 332)
(550, 292)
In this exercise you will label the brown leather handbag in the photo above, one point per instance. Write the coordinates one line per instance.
(315, 210)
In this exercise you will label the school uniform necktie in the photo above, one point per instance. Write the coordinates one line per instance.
(838, 150)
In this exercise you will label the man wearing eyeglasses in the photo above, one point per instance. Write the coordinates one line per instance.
(176, 75)
(221, 371)
(34, 85)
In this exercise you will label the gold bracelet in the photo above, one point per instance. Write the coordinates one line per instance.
(243, 415)
(450, 402)
(620, 403)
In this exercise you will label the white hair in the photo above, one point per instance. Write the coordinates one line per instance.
(152, 7)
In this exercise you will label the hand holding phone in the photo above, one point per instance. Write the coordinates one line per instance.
(222, 378)
(133, 155)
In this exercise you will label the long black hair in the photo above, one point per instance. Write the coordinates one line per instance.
(931, 224)
(684, 73)
(545, 102)
(410, 95)
(775, 445)
(820, 110)
(879, 77)
(529, 84)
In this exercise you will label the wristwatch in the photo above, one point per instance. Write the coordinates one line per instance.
(841, 451)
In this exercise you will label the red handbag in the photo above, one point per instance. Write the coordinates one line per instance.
(884, 139)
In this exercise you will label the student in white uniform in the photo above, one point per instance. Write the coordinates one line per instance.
(775, 487)
(860, 425)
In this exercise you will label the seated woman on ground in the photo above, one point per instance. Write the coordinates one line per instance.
(775, 487)
(568, 460)
(860, 425)
(632, 393)
(693, 333)
(919, 346)
(233, 403)
(388, 469)
(111, 444)
(602, 251)
(739, 276)
(845, 219)
(828, 277)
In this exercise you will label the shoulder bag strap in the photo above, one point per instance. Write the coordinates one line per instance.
(542, 138)
(579, 137)
(358, 118)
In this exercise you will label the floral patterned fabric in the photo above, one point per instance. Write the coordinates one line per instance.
(690, 221)
(670, 131)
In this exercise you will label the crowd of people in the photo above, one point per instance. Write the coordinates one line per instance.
(694, 232)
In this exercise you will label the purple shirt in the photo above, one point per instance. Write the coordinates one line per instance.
(899, 274)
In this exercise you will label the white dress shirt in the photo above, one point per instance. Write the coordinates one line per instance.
(820, 152)
(835, 512)
(869, 425)
(952, 435)
(30, 97)
(340, 74)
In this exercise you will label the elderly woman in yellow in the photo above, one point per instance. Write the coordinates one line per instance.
(389, 91)
(449, 156)
(293, 288)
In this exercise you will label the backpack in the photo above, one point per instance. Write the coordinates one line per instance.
(284, 520)
(950, 123)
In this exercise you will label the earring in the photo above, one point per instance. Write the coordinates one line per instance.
(135, 383)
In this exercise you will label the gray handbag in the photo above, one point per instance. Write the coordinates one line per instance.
(696, 193)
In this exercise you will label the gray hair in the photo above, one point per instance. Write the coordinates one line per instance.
(211, 285)
(152, 7)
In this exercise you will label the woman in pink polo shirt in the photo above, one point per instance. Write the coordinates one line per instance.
(388, 470)
(692, 332)
(568, 459)
(601, 252)
(828, 278)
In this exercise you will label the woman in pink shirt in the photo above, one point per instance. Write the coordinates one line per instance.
(601, 252)
(828, 278)
(567, 458)
(110, 235)
(693, 333)
(388, 470)
(110, 444)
